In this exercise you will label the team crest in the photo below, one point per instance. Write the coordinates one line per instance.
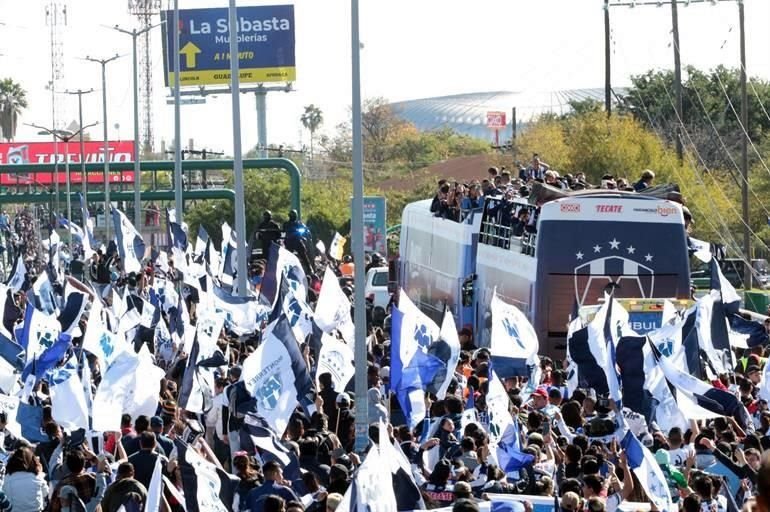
(270, 392)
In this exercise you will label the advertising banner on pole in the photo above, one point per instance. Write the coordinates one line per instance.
(265, 45)
(15, 153)
(375, 225)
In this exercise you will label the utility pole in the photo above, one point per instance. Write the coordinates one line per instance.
(106, 149)
(607, 62)
(178, 201)
(745, 153)
(357, 228)
(83, 177)
(677, 80)
(240, 207)
(137, 168)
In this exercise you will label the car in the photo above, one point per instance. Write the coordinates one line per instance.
(377, 286)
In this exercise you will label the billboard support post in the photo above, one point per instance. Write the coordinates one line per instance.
(178, 202)
(261, 94)
(240, 207)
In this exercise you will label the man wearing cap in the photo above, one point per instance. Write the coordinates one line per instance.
(540, 403)
(674, 479)
(344, 421)
(166, 444)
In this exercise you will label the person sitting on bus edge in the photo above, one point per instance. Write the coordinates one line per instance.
(608, 182)
(440, 197)
(552, 179)
(473, 200)
(522, 221)
(645, 181)
(537, 169)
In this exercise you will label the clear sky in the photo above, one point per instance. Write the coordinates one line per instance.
(412, 49)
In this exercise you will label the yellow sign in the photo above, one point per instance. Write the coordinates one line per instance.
(190, 51)
(258, 75)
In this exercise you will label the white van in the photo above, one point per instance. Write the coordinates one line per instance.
(377, 286)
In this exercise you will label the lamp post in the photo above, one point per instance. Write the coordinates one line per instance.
(137, 170)
(357, 228)
(103, 63)
(65, 136)
(83, 177)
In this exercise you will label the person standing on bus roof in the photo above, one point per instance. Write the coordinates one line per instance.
(536, 170)
(645, 181)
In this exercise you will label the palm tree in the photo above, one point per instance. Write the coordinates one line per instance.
(13, 99)
(312, 119)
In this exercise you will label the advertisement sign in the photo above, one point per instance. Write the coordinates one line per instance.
(265, 45)
(496, 120)
(15, 153)
(375, 225)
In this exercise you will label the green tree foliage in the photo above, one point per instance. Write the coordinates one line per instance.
(711, 105)
(13, 100)
(311, 119)
(624, 147)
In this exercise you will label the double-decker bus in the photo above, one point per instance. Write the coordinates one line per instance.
(546, 257)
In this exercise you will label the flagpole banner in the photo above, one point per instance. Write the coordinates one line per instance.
(269, 378)
(514, 341)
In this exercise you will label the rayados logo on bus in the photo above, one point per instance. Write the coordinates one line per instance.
(570, 207)
(609, 208)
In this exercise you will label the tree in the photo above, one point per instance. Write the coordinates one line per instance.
(312, 119)
(711, 104)
(380, 125)
(13, 99)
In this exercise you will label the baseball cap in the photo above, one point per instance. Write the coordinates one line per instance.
(540, 392)
(343, 398)
(156, 422)
(662, 457)
(385, 372)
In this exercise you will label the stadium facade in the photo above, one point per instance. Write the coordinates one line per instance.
(467, 113)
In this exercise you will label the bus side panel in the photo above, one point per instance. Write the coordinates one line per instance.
(512, 274)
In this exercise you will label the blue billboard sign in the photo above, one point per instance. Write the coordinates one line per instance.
(375, 225)
(265, 45)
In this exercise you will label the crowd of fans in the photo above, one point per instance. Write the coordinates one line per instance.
(570, 455)
(454, 200)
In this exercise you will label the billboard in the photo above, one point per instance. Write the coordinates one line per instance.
(265, 45)
(47, 153)
(375, 225)
(496, 120)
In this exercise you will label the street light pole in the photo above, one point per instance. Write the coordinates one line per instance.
(83, 177)
(137, 169)
(104, 63)
(240, 207)
(357, 227)
(178, 201)
(64, 136)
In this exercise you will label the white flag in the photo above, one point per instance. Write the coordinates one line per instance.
(68, 402)
(268, 376)
(514, 340)
(337, 247)
(336, 359)
(155, 491)
(333, 308)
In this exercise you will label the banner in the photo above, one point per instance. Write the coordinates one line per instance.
(375, 225)
(47, 153)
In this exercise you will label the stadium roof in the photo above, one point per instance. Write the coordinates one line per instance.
(466, 113)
